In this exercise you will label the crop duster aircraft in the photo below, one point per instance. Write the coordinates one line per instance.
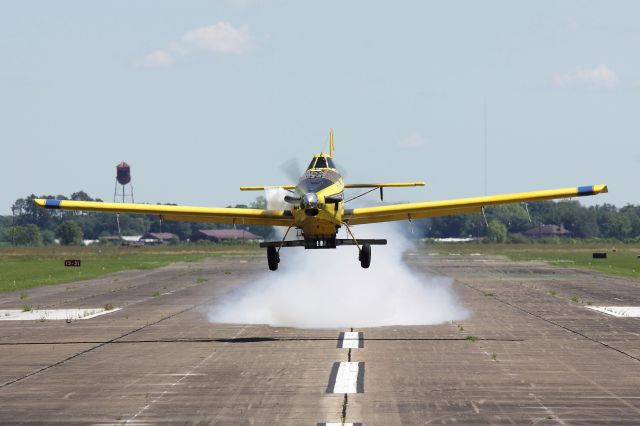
(318, 209)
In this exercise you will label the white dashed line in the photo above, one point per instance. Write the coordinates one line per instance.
(351, 340)
(346, 377)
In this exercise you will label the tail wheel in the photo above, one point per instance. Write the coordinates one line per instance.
(365, 256)
(273, 258)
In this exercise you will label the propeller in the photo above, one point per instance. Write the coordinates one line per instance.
(292, 169)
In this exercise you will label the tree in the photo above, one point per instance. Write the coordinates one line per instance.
(48, 237)
(28, 235)
(69, 233)
(496, 232)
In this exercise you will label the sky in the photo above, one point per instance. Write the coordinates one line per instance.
(202, 97)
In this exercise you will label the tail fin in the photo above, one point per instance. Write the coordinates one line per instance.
(331, 147)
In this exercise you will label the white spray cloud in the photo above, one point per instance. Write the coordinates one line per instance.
(329, 289)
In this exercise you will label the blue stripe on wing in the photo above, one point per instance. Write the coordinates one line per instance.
(52, 204)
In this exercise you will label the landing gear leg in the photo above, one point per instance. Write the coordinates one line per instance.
(365, 255)
(364, 251)
(273, 258)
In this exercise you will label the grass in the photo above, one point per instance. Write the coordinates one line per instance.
(622, 259)
(30, 267)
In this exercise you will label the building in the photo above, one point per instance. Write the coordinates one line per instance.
(218, 235)
(542, 231)
(158, 237)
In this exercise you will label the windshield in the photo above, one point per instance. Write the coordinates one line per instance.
(313, 160)
(321, 163)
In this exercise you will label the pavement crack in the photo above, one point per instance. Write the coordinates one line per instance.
(345, 403)
(564, 327)
(101, 344)
(255, 339)
(349, 356)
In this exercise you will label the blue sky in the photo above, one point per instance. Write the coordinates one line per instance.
(201, 97)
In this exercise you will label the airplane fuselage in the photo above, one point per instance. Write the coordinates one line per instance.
(320, 212)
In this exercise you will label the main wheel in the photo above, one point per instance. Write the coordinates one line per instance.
(365, 256)
(273, 258)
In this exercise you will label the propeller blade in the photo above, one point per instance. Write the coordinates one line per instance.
(292, 169)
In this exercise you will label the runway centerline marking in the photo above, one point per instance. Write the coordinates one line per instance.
(346, 377)
(351, 340)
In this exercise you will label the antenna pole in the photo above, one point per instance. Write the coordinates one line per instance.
(485, 148)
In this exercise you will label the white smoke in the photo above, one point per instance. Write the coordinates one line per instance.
(275, 198)
(329, 289)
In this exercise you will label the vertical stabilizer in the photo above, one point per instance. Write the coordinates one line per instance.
(331, 143)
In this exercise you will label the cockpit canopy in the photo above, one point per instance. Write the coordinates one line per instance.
(321, 162)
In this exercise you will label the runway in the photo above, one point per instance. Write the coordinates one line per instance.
(531, 353)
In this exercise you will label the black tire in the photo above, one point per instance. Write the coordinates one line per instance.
(273, 258)
(365, 256)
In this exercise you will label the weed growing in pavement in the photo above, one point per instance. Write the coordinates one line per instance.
(574, 299)
(156, 294)
(460, 327)
(553, 292)
(471, 338)
(23, 296)
(27, 308)
(494, 356)
(201, 280)
(108, 307)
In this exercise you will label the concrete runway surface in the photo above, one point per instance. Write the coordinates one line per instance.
(539, 357)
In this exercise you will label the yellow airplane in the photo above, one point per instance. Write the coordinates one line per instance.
(318, 209)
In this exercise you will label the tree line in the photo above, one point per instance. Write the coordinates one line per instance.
(31, 225)
(510, 222)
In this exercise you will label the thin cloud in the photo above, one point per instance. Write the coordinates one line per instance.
(600, 77)
(221, 38)
(158, 59)
(412, 141)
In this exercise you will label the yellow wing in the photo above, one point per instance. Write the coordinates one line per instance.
(459, 206)
(262, 188)
(383, 185)
(179, 213)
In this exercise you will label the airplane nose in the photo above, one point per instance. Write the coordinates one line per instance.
(310, 199)
(310, 202)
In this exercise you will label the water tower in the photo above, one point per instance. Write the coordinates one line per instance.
(123, 180)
